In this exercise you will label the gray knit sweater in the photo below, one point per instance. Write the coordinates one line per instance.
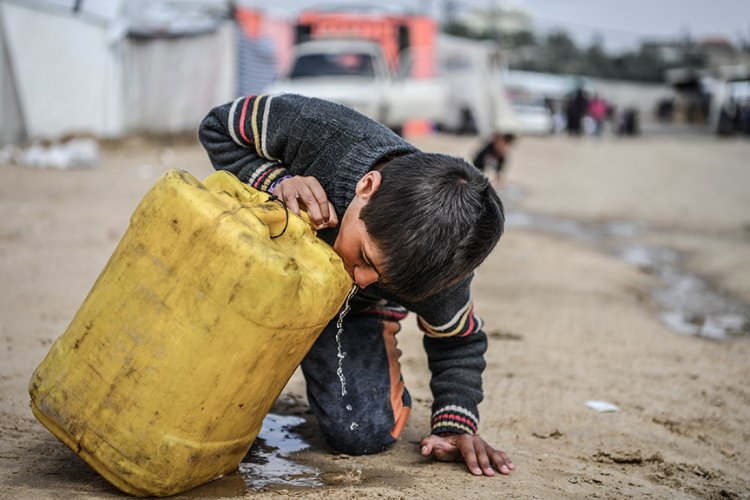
(263, 138)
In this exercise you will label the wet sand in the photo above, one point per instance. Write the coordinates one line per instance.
(569, 320)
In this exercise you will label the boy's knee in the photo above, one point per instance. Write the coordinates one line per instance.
(358, 439)
(362, 430)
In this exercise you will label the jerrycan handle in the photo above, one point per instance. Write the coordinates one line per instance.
(277, 225)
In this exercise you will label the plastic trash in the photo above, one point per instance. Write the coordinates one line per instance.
(602, 406)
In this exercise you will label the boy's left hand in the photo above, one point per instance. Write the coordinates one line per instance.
(478, 455)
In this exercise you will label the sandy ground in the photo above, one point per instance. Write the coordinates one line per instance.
(567, 323)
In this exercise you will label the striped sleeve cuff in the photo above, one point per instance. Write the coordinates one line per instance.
(463, 323)
(454, 419)
(264, 176)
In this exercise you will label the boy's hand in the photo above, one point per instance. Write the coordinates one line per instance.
(308, 192)
(478, 455)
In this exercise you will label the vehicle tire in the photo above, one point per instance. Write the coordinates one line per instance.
(397, 129)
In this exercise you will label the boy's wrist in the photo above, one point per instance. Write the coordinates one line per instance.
(266, 175)
(454, 419)
(276, 183)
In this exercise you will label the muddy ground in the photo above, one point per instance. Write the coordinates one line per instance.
(570, 319)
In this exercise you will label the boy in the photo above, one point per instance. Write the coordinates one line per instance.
(413, 228)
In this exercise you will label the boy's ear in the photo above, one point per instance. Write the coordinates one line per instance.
(369, 184)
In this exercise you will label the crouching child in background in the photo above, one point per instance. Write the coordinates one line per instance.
(493, 155)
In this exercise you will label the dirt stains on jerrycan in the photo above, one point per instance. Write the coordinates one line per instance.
(207, 306)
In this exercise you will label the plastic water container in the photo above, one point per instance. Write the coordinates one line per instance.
(207, 306)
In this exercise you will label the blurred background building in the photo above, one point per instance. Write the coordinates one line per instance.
(110, 67)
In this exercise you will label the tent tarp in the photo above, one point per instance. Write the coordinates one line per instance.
(171, 83)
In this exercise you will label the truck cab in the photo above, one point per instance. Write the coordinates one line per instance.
(355, 73)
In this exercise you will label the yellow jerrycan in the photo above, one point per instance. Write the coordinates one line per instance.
(209, 303)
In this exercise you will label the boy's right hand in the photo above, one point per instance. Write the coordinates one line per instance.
(308, 192)
(480, 457)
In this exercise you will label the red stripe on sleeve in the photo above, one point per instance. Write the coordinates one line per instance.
(262, 176)
(457, 418)
(242, 119)
(471, 323)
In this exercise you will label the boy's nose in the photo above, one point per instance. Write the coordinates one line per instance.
(364, 276)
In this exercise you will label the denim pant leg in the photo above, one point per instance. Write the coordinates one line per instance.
(372, 413)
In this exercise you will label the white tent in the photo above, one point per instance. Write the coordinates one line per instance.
(108, 67)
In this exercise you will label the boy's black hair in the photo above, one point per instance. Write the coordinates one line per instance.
(435, 218)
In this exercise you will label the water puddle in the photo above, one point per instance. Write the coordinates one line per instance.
(689, 304)
(269, 463)
(586, 232)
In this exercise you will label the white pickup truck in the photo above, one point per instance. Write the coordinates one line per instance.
(356, 74)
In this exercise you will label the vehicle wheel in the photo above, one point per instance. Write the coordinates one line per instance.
(397, 129)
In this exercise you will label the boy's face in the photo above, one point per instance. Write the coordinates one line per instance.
(360, 253)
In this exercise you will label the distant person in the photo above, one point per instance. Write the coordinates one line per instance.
(558, 119)
(576, 110)
(729, 119)
(598, 113)
(493, 155)
(744, 118)
(629, 122)
(665, 110)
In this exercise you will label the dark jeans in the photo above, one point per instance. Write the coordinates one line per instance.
(376, 406)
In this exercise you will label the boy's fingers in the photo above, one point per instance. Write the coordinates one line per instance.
(311, 204)
(321, 198)
(333, 219)
(497, 459)
(502, 462)
(290, 200)
(426, 446)
(470, 457)
(484, 461)
(306, 192)
(508, 463)
(439, 447)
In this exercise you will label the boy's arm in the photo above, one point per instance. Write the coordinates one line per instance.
(271, 142)
(238, 138)
(265, 139)
(455, 345)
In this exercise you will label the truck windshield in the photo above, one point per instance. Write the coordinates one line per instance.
(341, 64)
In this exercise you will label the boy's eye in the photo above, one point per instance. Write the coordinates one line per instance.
(363, 260)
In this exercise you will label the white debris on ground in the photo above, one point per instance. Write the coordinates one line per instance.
(602, 406)
(76, 153)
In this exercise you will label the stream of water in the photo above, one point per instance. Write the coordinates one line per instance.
(339, 330)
